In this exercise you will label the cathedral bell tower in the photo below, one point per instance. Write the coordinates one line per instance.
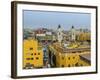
(73, 35)
(59, 34)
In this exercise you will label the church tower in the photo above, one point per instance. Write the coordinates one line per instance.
(59, 34)
(73, 35)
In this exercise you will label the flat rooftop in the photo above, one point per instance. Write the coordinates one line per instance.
(70, 50)
(86, 56)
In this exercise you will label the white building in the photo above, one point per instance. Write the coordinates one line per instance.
(59, 34)
(73, 34)
(48, 33)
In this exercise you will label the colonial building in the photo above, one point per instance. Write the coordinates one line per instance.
(59, 34)
(73, 34)
(32, 54)
(70, 57)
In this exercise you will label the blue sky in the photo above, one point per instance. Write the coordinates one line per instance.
(48, 19)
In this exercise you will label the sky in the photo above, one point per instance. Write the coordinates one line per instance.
(48, 19)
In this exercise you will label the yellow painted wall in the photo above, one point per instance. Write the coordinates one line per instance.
(32, 53)
(65, 60)
(70, 60)
(83, 36)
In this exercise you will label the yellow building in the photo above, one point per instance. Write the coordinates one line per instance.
(70, 57)
(84, 36)
(32, 54)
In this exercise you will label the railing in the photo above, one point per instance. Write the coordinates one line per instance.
(76, 50)
(66, 50)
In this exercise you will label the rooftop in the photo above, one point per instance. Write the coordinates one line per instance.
(63, 49)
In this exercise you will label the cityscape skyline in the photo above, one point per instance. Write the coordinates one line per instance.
(51, 20)
(45, 47)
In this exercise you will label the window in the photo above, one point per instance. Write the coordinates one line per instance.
(31, 48)
(37, 58)
(32, 65)
(69, 58)
(31, 53)
(34, 53)
(38, 53)
(31, 58)
(62, 65)
(27, 58)
(62, 57)
(68, 65)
